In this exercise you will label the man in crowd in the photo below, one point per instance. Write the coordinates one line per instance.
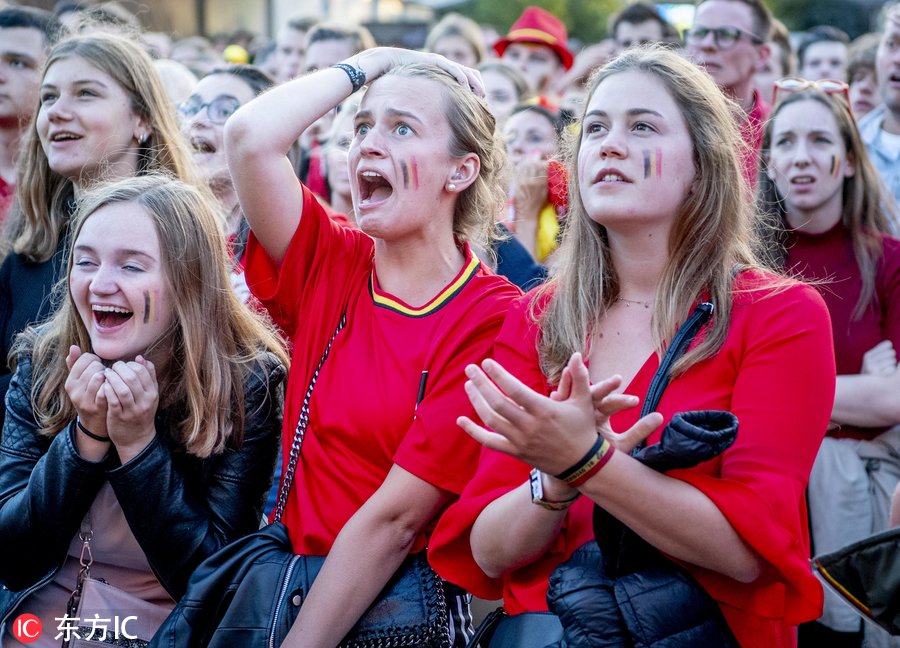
(640, 23)
(25, 36)
(880, 128)
(730, 40)
(823, 54)
(290, 48)
(536, 46)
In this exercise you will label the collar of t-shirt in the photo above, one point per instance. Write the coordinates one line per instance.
(888, 144)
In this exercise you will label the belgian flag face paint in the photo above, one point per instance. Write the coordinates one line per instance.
(835, 165)
(653, 163)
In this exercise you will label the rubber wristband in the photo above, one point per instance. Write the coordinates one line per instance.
(593, 470)
(594, 455)
(95, 437)
(356, 75)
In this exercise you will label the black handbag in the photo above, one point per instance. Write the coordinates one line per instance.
(250, 592)
(866, 574)
(622, 591)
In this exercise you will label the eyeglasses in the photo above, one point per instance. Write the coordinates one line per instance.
(723, 37)
(218, 110)
(797, 84)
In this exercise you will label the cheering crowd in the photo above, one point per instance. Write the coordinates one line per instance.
(308, 343)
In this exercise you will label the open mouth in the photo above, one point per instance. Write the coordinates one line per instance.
(107, 317)
(64, 137)
(373, 188)
(802, 180)
(202, 145)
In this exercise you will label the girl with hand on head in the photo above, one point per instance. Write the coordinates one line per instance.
(103, 115)
(830, 223)
(419, 306)
(129, 420)
(659, 221)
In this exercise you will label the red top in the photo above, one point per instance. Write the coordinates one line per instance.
(752, 130)
(7, 193)
(363, 414)
(829, 258)
(774, 372)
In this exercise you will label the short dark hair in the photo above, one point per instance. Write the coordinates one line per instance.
(255, 78)
(32, 18)
(358, 35)
(301, 23)
(762, 16)
(820, 34)
(638, 12)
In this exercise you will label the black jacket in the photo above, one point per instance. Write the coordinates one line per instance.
(180, 508)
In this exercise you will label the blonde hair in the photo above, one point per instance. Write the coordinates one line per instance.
(215, 341)
(710, 235)
(472, 129)
(42, 195)
(867, 210)
(454, 24)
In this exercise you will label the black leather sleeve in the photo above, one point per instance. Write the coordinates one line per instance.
(46, 488)
(178, 517)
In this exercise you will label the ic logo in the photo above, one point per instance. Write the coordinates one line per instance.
(27, 628)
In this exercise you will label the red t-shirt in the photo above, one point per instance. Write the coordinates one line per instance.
(829, 258)
(7, 193)
(774, 373)
(363, 414)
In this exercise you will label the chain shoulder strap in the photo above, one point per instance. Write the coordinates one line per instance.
(289, 470)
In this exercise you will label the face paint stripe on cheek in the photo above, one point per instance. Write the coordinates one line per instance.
(835, 165)
(146, 306)
(648, 161)
(415, 173)
(658, 162)
(404, 167)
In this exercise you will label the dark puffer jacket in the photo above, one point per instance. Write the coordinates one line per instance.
(180, 508)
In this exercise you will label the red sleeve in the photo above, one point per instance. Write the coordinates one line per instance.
(449, 551)
(436, 449)
(322, 259)
(782, 397)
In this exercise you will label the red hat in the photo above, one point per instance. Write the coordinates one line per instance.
(538, 26)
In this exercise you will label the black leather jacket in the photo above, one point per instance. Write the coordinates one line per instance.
(180, 508)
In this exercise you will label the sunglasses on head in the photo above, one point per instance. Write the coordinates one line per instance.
(796, 84)
(218, 110)
(723, 37)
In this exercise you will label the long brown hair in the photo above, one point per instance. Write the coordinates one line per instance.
(710, 236)
(42, 195)
(215, 342)
(867, 209)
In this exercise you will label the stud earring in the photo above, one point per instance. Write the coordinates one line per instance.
(451, 186)
(143, 139)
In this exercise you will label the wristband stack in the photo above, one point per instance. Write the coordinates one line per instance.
(590, 464)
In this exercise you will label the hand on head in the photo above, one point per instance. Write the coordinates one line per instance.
(379, 60)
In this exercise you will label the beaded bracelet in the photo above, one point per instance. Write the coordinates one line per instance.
(95, 437)
(590, 464)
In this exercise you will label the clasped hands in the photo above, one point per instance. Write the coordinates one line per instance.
(554, 432)
(118, 401)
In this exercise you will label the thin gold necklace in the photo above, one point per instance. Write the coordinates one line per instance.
(627, 302)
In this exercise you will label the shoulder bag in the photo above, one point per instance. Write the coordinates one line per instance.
(866, 574)
(249, 592)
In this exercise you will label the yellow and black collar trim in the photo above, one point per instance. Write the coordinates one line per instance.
(384, 300)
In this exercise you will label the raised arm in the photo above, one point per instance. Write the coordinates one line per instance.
(258, 136)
